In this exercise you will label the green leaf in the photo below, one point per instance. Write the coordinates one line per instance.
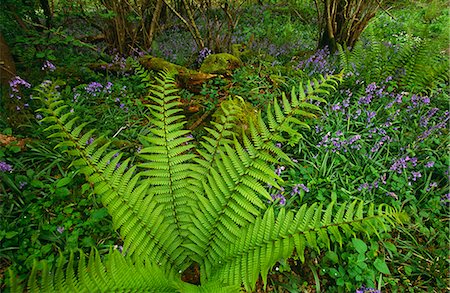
(100, 214)
(381, 266)
(332, 256)
(11, 234)
(408, 270)
(63, 182)
(14, 149)
(359, 245)
(62, 192)
(390, 246)
(37, 183)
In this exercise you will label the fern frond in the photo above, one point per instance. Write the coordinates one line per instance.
(271, 238)
(135, 212)
(287, 119)
(168, 163)
(115, 274)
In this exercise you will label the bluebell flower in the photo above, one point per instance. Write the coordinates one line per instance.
(429, 164)
(5, 167)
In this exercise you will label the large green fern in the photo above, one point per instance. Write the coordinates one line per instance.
(207, 206)
(416, 67)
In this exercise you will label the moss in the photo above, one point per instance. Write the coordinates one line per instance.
(159, 64)
(240, 51)
(222, 63)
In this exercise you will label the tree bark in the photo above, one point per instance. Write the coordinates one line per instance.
(154, 23)
(7, 64)
(344, 21)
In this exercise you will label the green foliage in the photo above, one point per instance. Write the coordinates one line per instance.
(209, 207)
(379, 144)
(46, 208)
(416, 67)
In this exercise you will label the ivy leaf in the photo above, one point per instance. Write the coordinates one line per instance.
(381, 266)
(359, 245)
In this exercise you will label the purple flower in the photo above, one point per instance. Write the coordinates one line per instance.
(90, 140)
(279, 196)
(446, 199)
(302, 186)
(38, 116)
(363, 289)
(119, 247)
(22, 184)
(371, 87)
(346, 103)
(295, 189)
(279, 170)
(363, 186)
(48, 66)
(60, 229)
(416, 175)
(365, 100)
(93, 88)
(336, 107)
(429, 164)
(205, 52)
(5, 167)
(108, 86)
(370, 115)
(16, 82)
(426, 100)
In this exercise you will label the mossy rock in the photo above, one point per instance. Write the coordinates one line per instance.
(222, 63)
(158, 64)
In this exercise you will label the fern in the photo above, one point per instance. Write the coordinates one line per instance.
(207, 206)
(415, 67)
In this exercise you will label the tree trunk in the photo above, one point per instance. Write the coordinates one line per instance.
(7, 65)
(344, 21)
(154, 23)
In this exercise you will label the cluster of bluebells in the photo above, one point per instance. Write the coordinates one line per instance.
(205, 52)
(5, 167)
(296, 188)
(364, 289)
(443, 123)
(338, 142)
(15, 85)
(372, 123)
(119, 63)
(94, 88)
(401, 164)
(17, 82)
(48, 66)
(279, 195)
(445, 200)
(318, 63)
